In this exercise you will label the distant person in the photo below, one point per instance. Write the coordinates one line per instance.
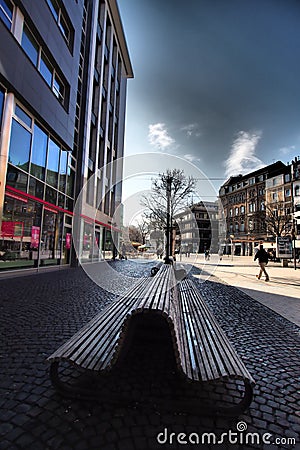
(263, 259)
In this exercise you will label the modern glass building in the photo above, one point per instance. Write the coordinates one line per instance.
(63, 72)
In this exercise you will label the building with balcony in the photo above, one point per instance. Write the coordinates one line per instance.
(63, 77)
(243, 204)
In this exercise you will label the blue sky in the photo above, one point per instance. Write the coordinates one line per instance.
(216, 81)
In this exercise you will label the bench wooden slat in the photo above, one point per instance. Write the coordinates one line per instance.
(221, 342)
(222, 358)
(196, 346)
(100, 323)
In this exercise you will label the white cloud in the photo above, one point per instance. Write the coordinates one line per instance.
(242, 157)
(287, 150)
(158, 136)
(192, 129)
(191, 158)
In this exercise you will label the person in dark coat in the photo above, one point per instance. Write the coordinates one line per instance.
(263, 259)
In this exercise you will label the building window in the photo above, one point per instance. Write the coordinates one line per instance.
(62, 21)
(63, 170)
(37, 56)
(242, 209)
(46, 69)
(59, 88)
(30, 46)
(38, 153)
(297, 190)
(252, 207)
(287, 192)
(262, 205)
(52, 163)
(274, 196)
(236, 211)
(19, 148)
(6, 12)
(287, 178)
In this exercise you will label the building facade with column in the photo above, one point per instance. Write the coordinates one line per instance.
(243, 204)
(63, 76)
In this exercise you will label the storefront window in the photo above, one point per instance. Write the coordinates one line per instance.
(19, 149)
(63, 170)
(50, 195)
(70, 182)
(36, 188)
(38, 155)
(49, 242)
(16, 178)
(19, 233)
(52, 163)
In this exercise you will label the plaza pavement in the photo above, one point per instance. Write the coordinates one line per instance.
(281, 293)
(39, 312)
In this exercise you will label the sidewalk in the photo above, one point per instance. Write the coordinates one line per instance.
(281, 293)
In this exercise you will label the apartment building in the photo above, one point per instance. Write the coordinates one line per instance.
(63, 76)
(243, 206)
(197, 228)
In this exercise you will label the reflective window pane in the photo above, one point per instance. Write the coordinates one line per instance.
(19, 148)
(50, 195)
(38, 154)
(46, 69)
(70, 182)
(36, 188)
(16, 179)
(54, 8)
(61, 200)
(29, 45)
(6, 12)
(23, 116)
(52, 163)
(63, 170)
(64, 28)
(59, 88)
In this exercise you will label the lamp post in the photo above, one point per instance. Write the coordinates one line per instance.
(231, 240)
(169, 240)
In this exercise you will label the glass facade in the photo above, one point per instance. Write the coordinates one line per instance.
(36, 227)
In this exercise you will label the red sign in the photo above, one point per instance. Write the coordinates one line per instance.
(8, 229)
(35, 236)
(68, 240)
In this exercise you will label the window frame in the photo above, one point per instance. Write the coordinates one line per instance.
(10, 20)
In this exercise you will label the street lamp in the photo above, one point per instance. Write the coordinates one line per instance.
(231, 240)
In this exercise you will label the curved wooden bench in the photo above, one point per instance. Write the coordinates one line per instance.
(98, 344)
(202, 351)
(205, 351)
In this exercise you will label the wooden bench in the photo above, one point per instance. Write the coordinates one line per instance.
(205, 352)
(202, 351)
(97, 345)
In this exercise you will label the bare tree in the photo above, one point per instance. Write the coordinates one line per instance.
(274, 220)
(144, 227)
(134, 234)
(180, 187)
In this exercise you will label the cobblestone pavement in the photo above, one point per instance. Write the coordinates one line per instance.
(39, 312)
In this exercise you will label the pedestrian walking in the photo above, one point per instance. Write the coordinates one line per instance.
(263, 259)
